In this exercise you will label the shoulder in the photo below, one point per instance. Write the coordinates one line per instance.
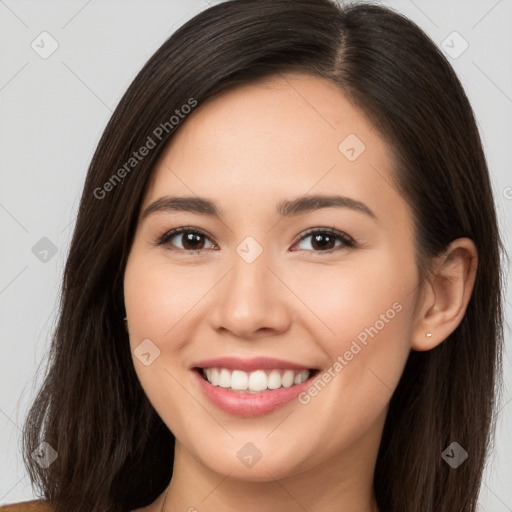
(28, 506)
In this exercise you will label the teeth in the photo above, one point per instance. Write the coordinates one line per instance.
(274, 380)
(224, 378)
(254, 382)
(287, 378)
(257, 380)
(239, 380)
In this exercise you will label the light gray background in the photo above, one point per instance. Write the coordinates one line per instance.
(54, 110)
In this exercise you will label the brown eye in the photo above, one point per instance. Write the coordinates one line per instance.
(191, 239)
(325, 240)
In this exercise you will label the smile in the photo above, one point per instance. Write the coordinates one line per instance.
(256, 381)
(251, 387)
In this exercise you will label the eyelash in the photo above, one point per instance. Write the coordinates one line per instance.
(347, 242)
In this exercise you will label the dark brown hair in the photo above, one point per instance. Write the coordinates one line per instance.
(114, 451)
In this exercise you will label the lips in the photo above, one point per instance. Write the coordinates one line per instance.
(249, 365)
(252, 387)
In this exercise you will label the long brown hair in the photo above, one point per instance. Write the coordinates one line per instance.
(114, 451)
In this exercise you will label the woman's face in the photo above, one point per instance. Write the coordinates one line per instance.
(247, 289)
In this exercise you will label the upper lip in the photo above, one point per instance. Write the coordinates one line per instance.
(249, 365)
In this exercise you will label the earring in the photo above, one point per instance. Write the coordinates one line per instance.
(429, 335)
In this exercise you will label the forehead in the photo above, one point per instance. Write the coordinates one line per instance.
(279, 137)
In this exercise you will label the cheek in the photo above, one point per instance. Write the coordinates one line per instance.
(349, 298)
(371, 319)
(365, 327)
(158, 299)
(157, 307)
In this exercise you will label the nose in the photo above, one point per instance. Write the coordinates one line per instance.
(251, 300)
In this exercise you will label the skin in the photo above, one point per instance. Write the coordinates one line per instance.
(248, 149)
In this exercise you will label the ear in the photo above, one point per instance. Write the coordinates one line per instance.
(446, 295)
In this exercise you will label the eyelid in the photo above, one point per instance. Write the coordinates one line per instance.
(167, 235)
(347, 241)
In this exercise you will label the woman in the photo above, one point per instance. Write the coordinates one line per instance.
(207, 356)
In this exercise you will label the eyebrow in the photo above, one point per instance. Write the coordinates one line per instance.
(284, 209)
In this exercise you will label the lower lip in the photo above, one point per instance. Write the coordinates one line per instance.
(248, 405)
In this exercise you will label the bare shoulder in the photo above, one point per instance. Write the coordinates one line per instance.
(28, 506)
